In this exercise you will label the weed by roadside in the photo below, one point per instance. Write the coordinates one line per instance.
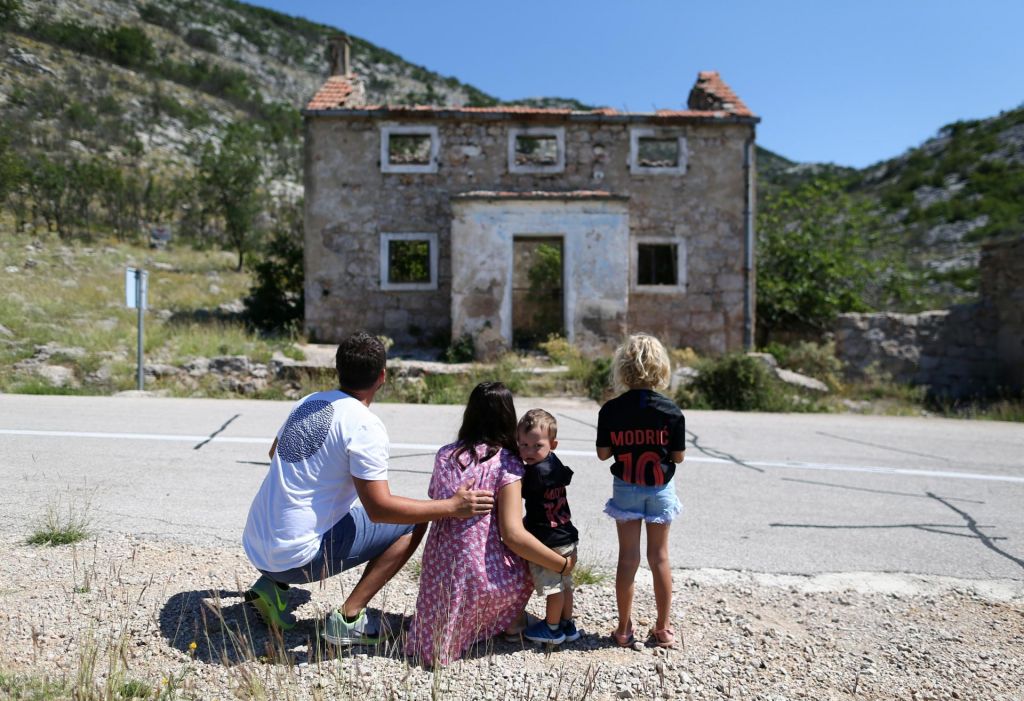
(584, 573)
(60, 526)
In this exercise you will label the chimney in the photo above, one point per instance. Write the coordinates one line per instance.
(340, 54)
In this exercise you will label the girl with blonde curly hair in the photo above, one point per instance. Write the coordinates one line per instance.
(645, 432)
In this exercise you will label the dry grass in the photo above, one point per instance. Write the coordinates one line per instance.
(72, 295)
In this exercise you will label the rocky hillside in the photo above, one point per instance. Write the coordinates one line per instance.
(952, 193)
(118, 98)
(146, 80)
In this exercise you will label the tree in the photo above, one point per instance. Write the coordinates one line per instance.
(230, 179)
(10, 13)
(276, 300)
(12, 169)
(49, 188)
(820, 253)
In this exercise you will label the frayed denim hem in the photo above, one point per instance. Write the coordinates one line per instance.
(620, 515)
(667, 516)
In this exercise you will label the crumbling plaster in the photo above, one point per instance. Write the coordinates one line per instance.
(596, 289)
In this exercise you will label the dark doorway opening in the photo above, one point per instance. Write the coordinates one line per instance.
(538, 306)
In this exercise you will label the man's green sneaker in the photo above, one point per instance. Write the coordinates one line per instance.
(271, 603)
(338, 631)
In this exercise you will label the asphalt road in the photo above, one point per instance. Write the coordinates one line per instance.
(764, 492)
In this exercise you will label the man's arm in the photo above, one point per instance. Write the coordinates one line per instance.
(384, 507)
(604, 453)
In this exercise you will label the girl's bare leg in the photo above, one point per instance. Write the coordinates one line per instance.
(661, 569)
(625, 572)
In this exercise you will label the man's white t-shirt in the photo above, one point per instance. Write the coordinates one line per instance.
(329, 438)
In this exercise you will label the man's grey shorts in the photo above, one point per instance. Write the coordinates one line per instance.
(353, 540)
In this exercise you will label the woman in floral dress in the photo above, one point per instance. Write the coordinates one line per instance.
(474, 582)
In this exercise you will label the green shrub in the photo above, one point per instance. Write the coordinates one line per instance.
(10, 13)
(559, 349)
(599, 379)
(461, 350)
(153, 13)
(202, 39)
(738, 382)
(817, 360)
(276, 301)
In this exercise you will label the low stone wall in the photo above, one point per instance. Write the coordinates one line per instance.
(965, 351)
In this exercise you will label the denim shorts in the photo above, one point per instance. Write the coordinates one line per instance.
(353, 540)
(632, 502)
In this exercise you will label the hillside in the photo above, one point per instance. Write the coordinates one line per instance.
(148, 81)
(955, 191)
(108, 107)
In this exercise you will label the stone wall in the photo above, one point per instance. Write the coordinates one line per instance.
(1002, 282)
(350, 202)
(967, 350)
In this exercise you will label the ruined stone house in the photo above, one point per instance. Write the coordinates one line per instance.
(508, 223)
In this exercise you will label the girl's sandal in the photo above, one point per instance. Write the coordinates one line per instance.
(624, 639)
(664, 637)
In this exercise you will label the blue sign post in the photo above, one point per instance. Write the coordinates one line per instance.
(135, 280)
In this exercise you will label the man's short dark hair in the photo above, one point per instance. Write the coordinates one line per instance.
(361, 358)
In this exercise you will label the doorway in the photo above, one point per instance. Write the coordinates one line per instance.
(538, 302)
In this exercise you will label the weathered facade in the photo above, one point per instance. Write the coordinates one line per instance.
(417, 219)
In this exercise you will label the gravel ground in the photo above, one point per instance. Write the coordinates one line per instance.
(124, 613)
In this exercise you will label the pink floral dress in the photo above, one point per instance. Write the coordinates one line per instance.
(471, 586)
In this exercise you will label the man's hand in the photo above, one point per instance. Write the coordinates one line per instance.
(572, 564)
(468, 502)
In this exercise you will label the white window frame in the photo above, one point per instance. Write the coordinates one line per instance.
(634, 282)
(386, 130)
(385, 249)
(637, 133)
(515, 132)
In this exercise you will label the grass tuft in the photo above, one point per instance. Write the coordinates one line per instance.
(58, 526)
(587, 574)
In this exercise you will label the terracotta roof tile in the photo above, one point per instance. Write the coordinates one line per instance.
(332, 94)
(711, 93)
(710, 98)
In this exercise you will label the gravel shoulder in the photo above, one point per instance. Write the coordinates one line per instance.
(133, 608)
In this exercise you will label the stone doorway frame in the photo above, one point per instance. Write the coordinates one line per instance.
(594, 228)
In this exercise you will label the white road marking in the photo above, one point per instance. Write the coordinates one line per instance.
(782, 465)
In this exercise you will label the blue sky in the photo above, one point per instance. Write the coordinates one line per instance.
(847, 82)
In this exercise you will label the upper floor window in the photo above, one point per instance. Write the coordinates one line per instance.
(408, 261)
(536, 150)
(656, 151)
(408, 148)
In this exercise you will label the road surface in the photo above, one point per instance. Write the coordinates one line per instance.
(794, 493)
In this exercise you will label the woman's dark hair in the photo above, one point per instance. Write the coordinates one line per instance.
(490, 418)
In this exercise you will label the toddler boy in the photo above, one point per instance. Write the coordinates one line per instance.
(549, 520)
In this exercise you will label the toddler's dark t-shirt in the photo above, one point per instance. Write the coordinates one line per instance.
(547, 509)
(642, 427)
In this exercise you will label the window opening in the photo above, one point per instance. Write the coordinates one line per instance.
(408, 262)
(657, 264)
(658, 153)
(536, 150)
(409, 149)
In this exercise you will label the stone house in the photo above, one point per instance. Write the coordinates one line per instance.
(508, 223)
